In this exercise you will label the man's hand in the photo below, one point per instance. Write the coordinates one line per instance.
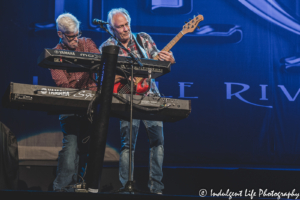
(129, 78)
(118, 78)
(166, 56)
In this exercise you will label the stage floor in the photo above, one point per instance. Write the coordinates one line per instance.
(183, 182)
(38, 195)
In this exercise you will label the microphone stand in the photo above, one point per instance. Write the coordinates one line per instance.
(129, 186)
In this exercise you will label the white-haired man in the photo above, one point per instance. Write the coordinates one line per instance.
(119, 26)
(73, 156)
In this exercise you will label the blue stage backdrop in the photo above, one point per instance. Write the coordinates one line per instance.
(240, 70)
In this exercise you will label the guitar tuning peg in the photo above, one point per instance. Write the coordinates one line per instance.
(198, 27)
(194, 16)
(190, 19)
(185, 22)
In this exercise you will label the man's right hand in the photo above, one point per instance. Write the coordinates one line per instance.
(118, 78)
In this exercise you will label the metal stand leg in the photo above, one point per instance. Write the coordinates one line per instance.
(129, 186)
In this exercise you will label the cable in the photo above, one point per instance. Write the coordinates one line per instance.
(138, 107)
(91, 72)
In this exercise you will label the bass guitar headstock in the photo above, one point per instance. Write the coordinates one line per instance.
(190, 26)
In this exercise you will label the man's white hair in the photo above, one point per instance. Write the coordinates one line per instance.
(67, 23)
(111, 14)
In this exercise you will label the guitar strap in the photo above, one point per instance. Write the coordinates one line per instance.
(139, 45)
(143, 53)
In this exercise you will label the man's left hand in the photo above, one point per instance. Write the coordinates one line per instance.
(166, 56)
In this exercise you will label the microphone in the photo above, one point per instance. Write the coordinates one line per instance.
(98, 21)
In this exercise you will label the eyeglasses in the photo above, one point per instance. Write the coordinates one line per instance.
(71, 38)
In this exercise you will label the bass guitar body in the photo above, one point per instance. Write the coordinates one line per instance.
(123, 87)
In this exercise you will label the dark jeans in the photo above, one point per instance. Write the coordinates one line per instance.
(156, 154)
(72, 158)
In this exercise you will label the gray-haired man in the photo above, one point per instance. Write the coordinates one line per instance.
(73, 156)
(119, 26)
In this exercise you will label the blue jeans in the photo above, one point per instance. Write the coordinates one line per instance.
(156, 154)
(73, 156)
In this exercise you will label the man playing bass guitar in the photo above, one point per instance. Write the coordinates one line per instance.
(119, 26)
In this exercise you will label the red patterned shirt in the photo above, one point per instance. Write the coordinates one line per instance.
(79, 80)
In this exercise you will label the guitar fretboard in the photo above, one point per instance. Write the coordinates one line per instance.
(171, 43)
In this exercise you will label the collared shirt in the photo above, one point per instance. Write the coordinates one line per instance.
(147, 42)
(78, 80)
(148, 45)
